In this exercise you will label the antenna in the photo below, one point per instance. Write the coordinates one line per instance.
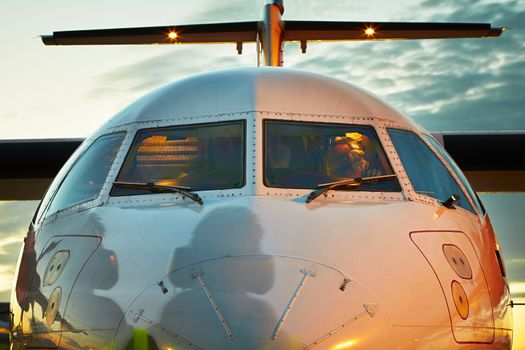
(272, 32)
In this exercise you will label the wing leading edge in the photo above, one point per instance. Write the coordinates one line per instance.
(184, 34)
(490, 160)
(292, 31)
(364, 31)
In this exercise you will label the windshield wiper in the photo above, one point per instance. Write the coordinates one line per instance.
(154, 187)
(324, 188)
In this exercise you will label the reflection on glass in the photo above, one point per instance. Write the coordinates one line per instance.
(202, 157)
(458, 172)
(87, 176)
(427, 174)
(304, 155)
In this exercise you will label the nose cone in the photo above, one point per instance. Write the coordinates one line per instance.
(253, 302)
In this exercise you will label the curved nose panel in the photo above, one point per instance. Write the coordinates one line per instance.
(251, 302)
(463, 283)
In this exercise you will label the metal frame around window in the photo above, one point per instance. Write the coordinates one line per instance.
(446, 165)
(243, 143)
(379, 126)
(313, 123)
(45, 218)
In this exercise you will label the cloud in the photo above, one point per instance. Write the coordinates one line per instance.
(14, 220)
(6, 242)
(515, 266)
(462, 84)
(6, 277)
(8, 116)
(15, 217)
(180, 61)
(148, 74)
(517, 289)
(484, 79)
(228, 11)
(516, 261)
(441, 3)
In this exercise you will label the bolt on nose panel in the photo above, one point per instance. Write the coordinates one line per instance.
(251, 302)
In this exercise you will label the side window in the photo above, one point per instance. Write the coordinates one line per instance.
(426, 172)
(458, 172)
(86, 177)
(48, 196)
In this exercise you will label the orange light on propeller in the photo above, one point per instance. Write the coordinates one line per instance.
(173, 35)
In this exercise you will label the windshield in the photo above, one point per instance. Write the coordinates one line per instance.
(201, 157)
(304, 155)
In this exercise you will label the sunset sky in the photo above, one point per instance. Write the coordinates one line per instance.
(467, 84)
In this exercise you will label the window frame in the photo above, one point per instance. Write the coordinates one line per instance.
(476, 201)
(45, 216)
(451, 171)
(312, 122)
(136, 132)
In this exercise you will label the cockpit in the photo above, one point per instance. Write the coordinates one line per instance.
(305, 155)
(296, 154)
(200, 157)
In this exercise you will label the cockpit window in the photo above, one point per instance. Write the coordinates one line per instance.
(304, 155)
(202, 157)
(426, 172)
(87, 176)
(458, 172)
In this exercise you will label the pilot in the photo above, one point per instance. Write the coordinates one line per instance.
(349, 156)
(278, 162)
(279, 154)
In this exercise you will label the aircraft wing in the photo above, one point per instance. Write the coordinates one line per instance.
(183, 34)
(29, 166)
(355, 31)
(492, 161)
(238, 32)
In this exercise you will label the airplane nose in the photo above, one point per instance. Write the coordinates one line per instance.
(254, 302)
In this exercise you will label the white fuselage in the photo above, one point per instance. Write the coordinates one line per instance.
(257, 267)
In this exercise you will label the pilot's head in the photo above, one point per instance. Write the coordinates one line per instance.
(348, 156)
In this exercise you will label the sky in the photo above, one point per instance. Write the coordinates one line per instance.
(466, 84)
(445, 85)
